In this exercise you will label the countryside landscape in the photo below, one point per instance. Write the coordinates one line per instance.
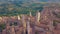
(29, 16)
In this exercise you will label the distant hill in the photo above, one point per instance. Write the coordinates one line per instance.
(57, 1)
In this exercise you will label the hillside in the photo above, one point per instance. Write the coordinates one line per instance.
(15, 7)
(19, 8)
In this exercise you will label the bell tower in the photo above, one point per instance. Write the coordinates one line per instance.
(38, 16)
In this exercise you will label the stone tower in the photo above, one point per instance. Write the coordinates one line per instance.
(24, 24)
(19, 17)
(30, 13)
(38, 16)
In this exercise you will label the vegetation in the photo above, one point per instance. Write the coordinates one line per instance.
(2, 26)
(17, 8)
(55, 22)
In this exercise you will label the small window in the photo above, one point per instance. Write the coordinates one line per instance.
(15, 23)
